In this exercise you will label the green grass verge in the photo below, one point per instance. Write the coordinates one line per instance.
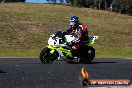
(19, 53)
(101, 52)
(113, 52)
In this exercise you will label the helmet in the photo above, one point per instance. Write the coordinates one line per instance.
(74, 21)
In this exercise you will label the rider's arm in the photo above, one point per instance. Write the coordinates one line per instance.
(82, 35)
(78, 35)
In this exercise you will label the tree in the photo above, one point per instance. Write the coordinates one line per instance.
(61, 1)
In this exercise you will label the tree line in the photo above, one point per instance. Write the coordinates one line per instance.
(122, 6)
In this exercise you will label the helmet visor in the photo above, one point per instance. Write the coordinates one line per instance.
(72, 24)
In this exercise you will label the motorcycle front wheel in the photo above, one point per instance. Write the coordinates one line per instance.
(46, 56)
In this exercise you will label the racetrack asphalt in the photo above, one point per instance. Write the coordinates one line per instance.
(31, 73)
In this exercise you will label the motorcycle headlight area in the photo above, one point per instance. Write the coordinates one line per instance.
(54, 41)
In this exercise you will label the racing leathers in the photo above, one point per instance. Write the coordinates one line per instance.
(81, 34)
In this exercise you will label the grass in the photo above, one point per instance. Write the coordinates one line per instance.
(113, 52)
(19, 53)
(25, 28)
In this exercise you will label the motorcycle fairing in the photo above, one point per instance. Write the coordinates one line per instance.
(53, 48)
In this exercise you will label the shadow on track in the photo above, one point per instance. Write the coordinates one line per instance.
(2, 72)
(93, 63)
(101, 62)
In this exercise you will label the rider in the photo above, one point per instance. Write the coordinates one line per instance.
(79, 30)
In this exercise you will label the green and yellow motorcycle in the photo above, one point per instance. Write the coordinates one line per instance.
(59, 50)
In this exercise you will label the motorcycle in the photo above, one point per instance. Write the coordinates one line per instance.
(58, 49)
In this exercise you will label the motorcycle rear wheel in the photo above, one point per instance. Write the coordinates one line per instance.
(46, 56)
(88, 55)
